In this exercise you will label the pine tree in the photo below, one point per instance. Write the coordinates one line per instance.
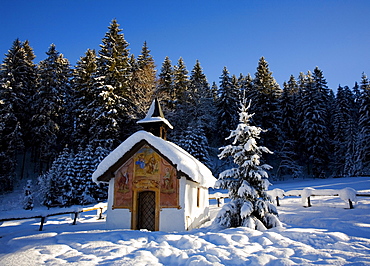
(226, 104)
(165, 87)
(266, 98)
(83, 82)
(342, 120)
(113, 61)
(54, 187)
(289, 127)
(105, 127)
(247, 183)
(18, 80)
(114, 71)
(313, 120)
(49, 119)
(181, 81)
(143, 82)
(10, 138)
(363, 146)
(28, 196)
(180, 117)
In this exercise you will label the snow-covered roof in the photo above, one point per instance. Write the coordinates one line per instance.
(181, 159)
(155, 114)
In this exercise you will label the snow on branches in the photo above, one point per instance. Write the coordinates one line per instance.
(248, 182)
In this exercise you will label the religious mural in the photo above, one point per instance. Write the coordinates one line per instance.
(123, 186)
(146, 170)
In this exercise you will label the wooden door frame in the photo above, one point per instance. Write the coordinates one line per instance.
(135, 208)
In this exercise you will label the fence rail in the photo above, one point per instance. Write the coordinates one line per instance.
(43, 217)
(278, 194)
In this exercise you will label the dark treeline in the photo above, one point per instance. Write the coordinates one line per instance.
(56, 120)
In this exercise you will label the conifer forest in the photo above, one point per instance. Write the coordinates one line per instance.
(58, 120)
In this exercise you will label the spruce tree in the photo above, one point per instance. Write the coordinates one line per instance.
(165, 87)
(266, 103)
(247, 183)
(363, 146)
(143, 82)
(84, 76)
(10, 138)
(105, 127)
(49, 119)
(181, 81)
(113, 61)
(342, 123)
(194, 141)
(227, 105)
(18, 77)
(28, 196)
(288, 153)
(114, 71)
(313, 121)
(54, 189)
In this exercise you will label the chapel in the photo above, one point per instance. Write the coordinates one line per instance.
(153, 183)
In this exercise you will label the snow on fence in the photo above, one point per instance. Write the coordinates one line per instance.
(346, 194)
(219, 197)
(100, 208)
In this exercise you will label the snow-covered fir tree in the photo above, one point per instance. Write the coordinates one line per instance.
(227, 105)
(363, 142)
(247, 183)
(143, 81)
(114, 71)
(314, 120)
(165, 91)
(28, 196)
(288, 152)
(266, 103)
(194, 141)
(345, 132)
(50, 106)
(10, 138)
(53, 187)
(83, 82)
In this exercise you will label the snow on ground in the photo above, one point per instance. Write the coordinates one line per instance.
(325, 234)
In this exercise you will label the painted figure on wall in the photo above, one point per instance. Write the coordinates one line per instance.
(146, 163)
(123, 186)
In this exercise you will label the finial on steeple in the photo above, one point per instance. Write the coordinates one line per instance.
(155, 122)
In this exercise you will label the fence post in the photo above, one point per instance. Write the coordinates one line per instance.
(309, 202)
(350, 204)
(75, 218)
(42, 223)
(277, 201)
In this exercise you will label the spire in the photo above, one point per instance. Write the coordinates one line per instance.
(154, 121)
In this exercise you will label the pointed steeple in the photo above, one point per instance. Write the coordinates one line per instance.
(155, 122)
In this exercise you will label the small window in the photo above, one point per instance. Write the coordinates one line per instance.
(198, 197)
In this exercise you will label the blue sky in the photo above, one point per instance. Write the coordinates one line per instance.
(294, 36)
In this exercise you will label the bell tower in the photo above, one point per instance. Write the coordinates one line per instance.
(155, 122)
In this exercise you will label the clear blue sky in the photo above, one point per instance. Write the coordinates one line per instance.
(294, 36)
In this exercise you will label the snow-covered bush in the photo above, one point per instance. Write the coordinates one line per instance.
(248, 182)
(68, 182)
(28, 196)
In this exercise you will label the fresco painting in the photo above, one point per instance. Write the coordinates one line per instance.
(146, 164)
(123, 186)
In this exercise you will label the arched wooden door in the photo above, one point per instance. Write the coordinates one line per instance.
(146, 210)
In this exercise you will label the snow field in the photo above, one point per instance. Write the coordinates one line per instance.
(325, 234)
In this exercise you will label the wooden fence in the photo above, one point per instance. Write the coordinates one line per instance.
(43, 217)
(280, 194)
